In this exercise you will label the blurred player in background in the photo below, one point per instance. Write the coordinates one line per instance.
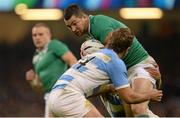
(67, 98)
(50, 60)
(143, 71)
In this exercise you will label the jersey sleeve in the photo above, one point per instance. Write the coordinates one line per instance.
(58, 47)
(118, 73)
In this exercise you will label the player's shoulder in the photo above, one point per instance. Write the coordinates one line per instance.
(112, 55)
(106, 55)
(108, 52)
(56, 42)
(100, 16)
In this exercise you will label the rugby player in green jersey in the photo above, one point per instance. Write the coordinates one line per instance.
(50, 60)
(143, 71)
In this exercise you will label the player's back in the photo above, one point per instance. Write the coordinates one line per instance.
(90, 72)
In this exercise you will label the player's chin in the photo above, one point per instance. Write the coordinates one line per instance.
(39, 46)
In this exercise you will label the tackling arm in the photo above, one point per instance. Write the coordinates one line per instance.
(105, 88)
(130, 97)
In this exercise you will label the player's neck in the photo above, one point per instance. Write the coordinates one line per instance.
(122, 54)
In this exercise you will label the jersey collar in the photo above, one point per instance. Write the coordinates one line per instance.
(45, 48)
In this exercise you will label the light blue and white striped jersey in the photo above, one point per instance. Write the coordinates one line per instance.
(94, 70)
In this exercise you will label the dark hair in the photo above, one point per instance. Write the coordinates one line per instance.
(120, 40)
(72, 10)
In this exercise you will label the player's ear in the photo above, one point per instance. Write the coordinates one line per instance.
(85, 17)
(124, 52)
(127, 49)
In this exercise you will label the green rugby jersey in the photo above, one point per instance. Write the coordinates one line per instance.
(48, 64)
(101, 25)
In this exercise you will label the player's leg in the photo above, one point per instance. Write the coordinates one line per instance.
(111, 101)
(93, 113)
(67, 103)
(151, 114)
(142, 80)
(127, 109)
(141, 85)
(113, 104)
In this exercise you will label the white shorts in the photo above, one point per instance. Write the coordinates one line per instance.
(138, 71)
(68, 103)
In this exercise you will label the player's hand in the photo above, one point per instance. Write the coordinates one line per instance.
(156, 95)
(112, 88)
(30, 75)
(155, 73)
(34, 81)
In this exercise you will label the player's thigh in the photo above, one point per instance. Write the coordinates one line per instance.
(141, 85)
(139, 71)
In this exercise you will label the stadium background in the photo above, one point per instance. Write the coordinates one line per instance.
(160, 37)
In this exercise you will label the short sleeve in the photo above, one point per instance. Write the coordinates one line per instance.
(118, 73)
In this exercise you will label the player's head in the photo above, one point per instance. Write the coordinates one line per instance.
(90, 46)
(41, 34)
(76, 20)
(120, 40)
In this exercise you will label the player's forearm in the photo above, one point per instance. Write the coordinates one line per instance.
(100, 90)
(134, 98)
(131, 97)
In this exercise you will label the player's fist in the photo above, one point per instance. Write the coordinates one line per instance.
(30, 74)
(156, 95)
